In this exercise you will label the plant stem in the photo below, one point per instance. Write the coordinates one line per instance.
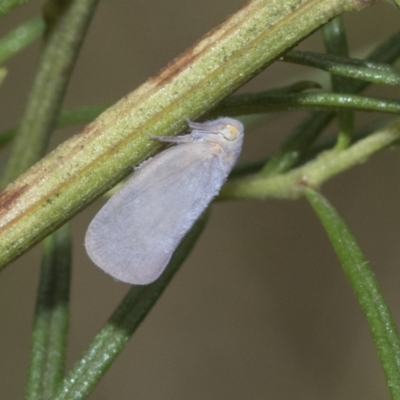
(365, 287)
(291, 150)
(335, 40)
(315, 172)
(50, 327)
(54, 70)
(254, 103)
(295, 147)
(348, 67)
(87, 165)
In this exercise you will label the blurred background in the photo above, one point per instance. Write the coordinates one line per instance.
(261, 308)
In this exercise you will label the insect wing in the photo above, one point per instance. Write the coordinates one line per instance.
(134, 235)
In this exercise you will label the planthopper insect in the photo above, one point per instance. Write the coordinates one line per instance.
(134, 235)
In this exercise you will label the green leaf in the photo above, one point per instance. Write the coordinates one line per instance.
(335, 40)
(365, 287)
(51, 321)
(369, 71)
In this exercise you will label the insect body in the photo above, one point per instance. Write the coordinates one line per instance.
(134, 235)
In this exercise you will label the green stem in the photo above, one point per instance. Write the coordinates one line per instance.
(50, 327)
(365, 287)
(111, 340)
(335, 40)
(348, 67)
(385, 54)
(253, 103)
(54, 71)
(315, 172)
(104, 152)
(296, 146)
(299, 140)
(253, 167)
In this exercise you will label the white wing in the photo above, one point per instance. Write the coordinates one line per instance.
(134, 235)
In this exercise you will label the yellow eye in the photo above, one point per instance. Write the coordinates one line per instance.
(230, 132)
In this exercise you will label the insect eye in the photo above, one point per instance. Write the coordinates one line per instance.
(230, 132)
